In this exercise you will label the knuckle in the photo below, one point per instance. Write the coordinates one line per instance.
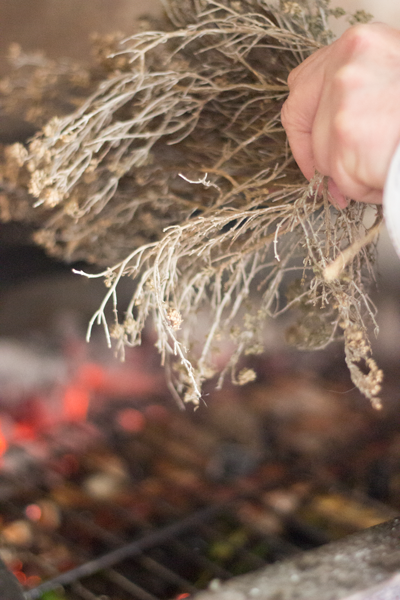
(358, 39)
(292, 77)
(342, 181)
(348, 77)
(343, 128)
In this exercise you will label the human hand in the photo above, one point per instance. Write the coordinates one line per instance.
(342, 116)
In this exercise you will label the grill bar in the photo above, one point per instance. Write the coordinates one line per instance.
(83, 592)
(128, 551)
(128, 585)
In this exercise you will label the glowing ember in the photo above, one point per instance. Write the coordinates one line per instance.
(92, 376)
(26, 581)
(33, 512)
(75, 403)
(3, 442)
(20, 575)
(131, 420)
(24, 431)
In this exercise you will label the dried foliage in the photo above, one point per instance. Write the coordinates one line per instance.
(175, 171)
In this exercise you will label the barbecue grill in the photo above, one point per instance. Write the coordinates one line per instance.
(143, 513)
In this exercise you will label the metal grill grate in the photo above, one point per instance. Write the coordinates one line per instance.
(181, 558)
(162, 526)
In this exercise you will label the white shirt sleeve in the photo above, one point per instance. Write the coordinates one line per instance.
(391, 201)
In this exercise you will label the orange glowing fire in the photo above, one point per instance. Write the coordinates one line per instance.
(90, 380)
(75, 403)
(3, 442)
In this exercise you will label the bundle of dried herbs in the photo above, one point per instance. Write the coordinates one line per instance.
(174, 170)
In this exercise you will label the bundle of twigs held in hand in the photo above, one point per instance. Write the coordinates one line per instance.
(175, 171)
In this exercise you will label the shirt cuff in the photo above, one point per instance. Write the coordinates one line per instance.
(391, 201)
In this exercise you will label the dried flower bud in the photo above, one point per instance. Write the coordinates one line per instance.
(18, 153)
(174, 318)
(51, 198)
(37, 183)
(246, 376)
(292, 8)
(52, 128)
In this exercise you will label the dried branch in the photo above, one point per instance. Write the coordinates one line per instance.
(175, 171)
